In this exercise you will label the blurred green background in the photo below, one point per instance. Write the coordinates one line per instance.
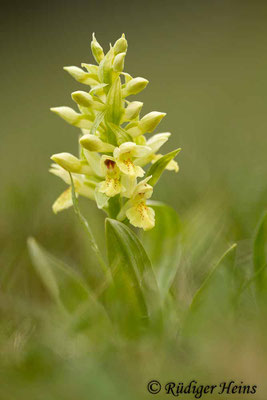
(206, 62)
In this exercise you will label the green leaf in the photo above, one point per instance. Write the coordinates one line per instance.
(260, 254)
(214, 302)
(162, 244)
(120, 133)
(114, 103)
(87, 229)
(219, 276)
(96, 88)
(99, 118)
(114, 206)
(134, 293)
(65, 286)
(159, 166)
(101, 199)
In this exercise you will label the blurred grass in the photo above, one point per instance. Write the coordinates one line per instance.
(206, 62)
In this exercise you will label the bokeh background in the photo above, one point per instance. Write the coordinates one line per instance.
(207, 66)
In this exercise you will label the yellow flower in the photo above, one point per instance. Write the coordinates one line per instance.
(154, 143)
(83, 187)
(136, 209)
(125, 156)
(112, 184)
(141, 216)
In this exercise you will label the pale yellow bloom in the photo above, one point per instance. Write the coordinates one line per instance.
(154, 143)
(82, 185)
(141, 216)
(136, 209)
(125, 157)
(111, 186)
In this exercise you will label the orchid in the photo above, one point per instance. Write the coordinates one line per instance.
(114, 148)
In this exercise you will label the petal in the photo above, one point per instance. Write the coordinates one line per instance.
(143, 189)
(156, 141)
(94, 143)
(126, 147)
(93, 160)
(110, 187)
(139, 172)
(141, 216)
(63, 202)
(173, 166)
(141, 151)
(60, 172)
(129, 183)
(85, 189)
(128, 168)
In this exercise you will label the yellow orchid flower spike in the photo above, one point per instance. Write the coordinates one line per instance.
(114, 147)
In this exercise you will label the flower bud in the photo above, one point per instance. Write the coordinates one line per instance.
(81, 76)
(91, 68)
(121, 45)
(133, 110)
(97, 50)
(118, 63)
(134, 86)
(133, 129)
(67, 113)
(86, 100)
(72, 117)
(150, 121)
(69, 162)
(93, 143)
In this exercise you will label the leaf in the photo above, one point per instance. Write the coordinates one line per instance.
(217, 277)
(65, 286)
(101, 199)
(114, 103)
(159, 166)
(260, 254)
(114, 206)
(99, 118)
(97, 88)
(87, 229)
(134, 291)
(162, 244)
(120, 133)
(214, 302)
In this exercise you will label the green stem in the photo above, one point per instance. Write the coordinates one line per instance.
(88, 230)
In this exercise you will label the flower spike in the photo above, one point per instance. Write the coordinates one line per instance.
(114, 148)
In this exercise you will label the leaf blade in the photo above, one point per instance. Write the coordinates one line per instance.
(65, 286)
(132, 275)
(163, 244)
(159, 166)
(260, 253)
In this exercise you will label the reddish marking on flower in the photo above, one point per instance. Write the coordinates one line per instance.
(110, 164)
(128, 163)
(142, 208)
